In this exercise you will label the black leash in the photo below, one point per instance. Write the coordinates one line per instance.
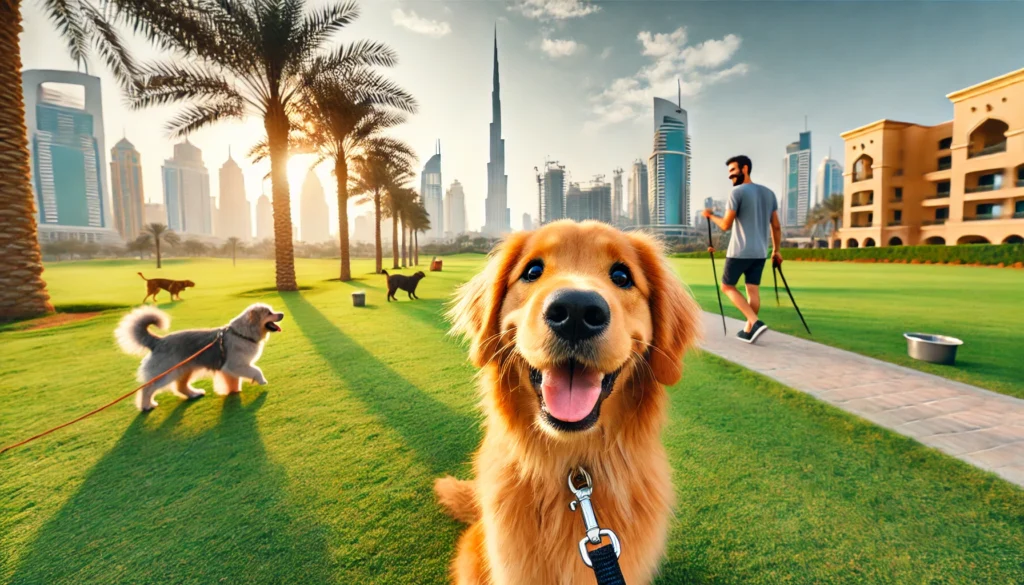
(714, 271)
(778, 267)
(604, 560)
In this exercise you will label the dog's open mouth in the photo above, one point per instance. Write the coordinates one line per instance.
(271, 326)
(571, 394)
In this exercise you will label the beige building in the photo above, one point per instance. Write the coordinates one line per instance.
(959, 182)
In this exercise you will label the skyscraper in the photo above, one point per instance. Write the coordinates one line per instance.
(155, 213)
(617, 197)
(64, 119)
(797, 172)
(187, 191)
(363, 231)
(126, 189)
(669, 166)
(527, 222)
(235, 220)
(829, 180)
(430, 191)
(592, 202)
(496, 205)
(575, 205)
(638, 212)
(264, 218)
(455, 211)
(552, 203)
(313, 211)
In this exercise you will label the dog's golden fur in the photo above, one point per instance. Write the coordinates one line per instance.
(521, 529)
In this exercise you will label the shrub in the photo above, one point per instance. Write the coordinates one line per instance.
(976, 254)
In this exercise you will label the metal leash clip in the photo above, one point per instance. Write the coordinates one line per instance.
(594, 531)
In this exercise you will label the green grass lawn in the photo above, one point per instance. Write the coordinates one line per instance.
(324, 475)
(866, 308)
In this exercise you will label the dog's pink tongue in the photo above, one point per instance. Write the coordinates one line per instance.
(570, 398)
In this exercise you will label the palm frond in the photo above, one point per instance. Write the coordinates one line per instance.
(316, 28)
(357, 54)
(108, 44)
(66, 17)
(162, 83)
(196, 116)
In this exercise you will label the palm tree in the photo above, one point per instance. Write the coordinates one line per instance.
(159, 232)
(23, 291)
(246, 57)
(233, 243)
(141, 244)
(342, 117)
(399, 200)
(378, 169)
(832, 213)
(419, 221)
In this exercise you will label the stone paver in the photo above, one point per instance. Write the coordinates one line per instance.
(983, 428)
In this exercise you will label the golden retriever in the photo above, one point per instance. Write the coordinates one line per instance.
(576, 328)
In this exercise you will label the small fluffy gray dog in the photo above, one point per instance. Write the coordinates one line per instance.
(236, 348)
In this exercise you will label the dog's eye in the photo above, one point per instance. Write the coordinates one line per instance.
(533, 271)
(620, 276)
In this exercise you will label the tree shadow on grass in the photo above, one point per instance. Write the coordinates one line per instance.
(441, 437)
(166, 506)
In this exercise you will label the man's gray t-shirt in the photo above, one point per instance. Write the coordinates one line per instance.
(751, 230)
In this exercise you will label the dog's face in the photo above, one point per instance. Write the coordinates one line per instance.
(419, 275)
(576, 313)
(259, 320)
(187, 284)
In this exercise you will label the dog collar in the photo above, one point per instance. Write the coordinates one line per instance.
(245, 337)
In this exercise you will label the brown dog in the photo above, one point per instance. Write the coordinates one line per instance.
(576, 327)
(174, 287)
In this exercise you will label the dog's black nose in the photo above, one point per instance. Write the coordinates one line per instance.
(575, 315)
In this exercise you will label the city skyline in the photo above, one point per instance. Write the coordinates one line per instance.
(587, 107)
(496, 205)
(126, 190)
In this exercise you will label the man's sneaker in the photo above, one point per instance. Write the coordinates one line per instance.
(756, 331)
(743, 336)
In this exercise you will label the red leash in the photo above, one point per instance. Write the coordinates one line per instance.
(115, 401)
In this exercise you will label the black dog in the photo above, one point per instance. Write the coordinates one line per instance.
(401, 281)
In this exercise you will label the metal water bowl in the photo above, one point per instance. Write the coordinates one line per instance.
(937, 349)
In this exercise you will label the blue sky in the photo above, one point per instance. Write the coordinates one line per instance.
(577, 80)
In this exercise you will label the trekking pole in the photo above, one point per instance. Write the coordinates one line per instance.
(714, 271)
(775, 279)
(790, 293)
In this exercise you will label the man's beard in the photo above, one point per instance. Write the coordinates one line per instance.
(737, 179)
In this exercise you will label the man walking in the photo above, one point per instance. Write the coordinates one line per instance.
(752, 208)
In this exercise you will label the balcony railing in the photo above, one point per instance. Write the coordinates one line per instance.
(1018, 215)
(895, 223)
(1020, 182)
(980, 188)
(896, 200)
(862, 177)
(933, 222)
(945, 165)
(983, 217)
(860, 225)
(863, 203)
(940, 195)
(999, 147)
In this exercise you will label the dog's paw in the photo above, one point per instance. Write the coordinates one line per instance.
(262, 381)
(197, 393)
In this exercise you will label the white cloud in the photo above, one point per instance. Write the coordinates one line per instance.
(554, 9)
(675, 67)
(556, 48)
(417, 24)
(606, 53)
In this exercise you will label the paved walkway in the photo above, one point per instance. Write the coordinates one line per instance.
(978, 426)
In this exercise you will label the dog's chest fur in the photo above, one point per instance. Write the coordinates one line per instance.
(526, 515)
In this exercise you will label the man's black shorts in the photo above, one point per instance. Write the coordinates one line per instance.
(750, 268)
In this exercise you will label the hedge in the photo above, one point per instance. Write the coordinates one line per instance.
(974, 254)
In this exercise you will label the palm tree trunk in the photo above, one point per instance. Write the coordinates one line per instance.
(276, 124)
(394, 239)
(403, 244)
(341, 175)
(376, 235)
(22, 290)
(416, 242)
(233, 253)
(157, 240)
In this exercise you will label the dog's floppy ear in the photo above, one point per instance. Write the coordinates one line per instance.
(476, 310)
(676, 317)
